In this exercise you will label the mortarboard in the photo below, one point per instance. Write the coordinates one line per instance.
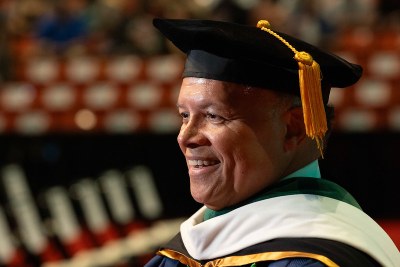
(258, 56)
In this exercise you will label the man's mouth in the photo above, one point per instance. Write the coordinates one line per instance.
(202, 163)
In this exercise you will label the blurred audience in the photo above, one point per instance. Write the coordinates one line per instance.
(62, 29)
(315, 21)
(33, 28)
(389, 11)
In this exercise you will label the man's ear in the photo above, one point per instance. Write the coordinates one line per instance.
(295, 128)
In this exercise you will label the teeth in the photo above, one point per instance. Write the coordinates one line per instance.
(201, 162)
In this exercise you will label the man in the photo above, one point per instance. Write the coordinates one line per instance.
(253, 126)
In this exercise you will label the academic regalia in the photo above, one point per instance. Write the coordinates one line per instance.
(296, 221)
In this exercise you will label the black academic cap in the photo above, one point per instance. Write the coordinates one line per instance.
(259, 56)
(247, 55)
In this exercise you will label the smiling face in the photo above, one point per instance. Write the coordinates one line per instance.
(233, 139)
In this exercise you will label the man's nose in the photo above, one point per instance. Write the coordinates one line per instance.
(191, 135)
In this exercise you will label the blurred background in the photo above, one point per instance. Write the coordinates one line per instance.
(91, 174)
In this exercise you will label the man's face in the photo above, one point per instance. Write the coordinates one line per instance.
(232, 138)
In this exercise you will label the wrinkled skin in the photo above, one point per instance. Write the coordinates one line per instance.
(236, 140)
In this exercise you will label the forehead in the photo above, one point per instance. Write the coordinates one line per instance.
(212, 92)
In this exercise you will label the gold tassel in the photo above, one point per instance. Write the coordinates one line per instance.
(310, 91)
(311, 97)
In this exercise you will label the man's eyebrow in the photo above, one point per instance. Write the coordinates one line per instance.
(204, 105)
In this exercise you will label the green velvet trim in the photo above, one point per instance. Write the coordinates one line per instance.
(294, 186)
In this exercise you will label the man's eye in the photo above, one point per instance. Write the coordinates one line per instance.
(214, 117)
(184, 115)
